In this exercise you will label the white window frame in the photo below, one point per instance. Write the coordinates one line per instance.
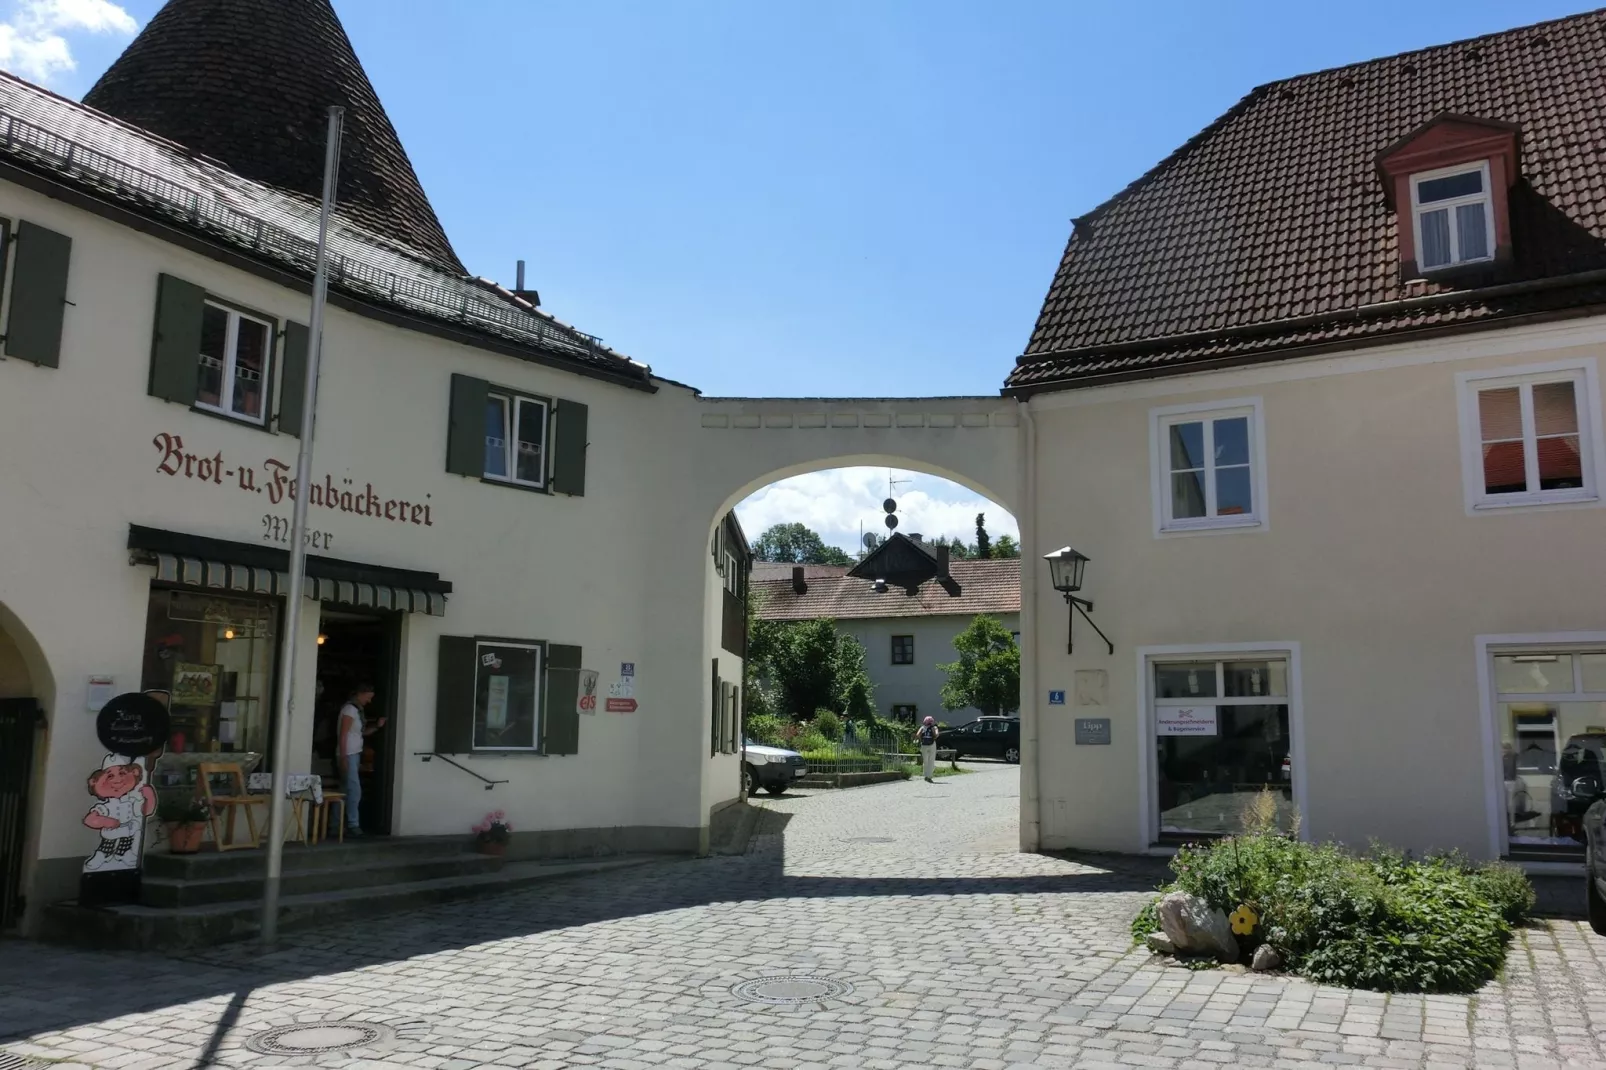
(732, 573)
(231, 338)
(540, 694)
(1161, 420)
(1591, 445)
(511, 406)
(1418, 209)
(1148, 758)
(1494, 795)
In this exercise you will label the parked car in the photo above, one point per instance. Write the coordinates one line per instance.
(1577, 784)
(1580, 778)
(985, 737)
(771, 768)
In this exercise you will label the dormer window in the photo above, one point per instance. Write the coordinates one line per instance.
(1454, 216)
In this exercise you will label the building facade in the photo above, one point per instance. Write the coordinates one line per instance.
(1319, 398)
(905, 637)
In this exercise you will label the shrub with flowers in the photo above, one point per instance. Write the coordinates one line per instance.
(494, 829)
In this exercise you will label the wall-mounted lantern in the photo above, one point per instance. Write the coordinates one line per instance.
(1065, 568)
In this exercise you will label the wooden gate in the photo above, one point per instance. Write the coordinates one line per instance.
(19, 727)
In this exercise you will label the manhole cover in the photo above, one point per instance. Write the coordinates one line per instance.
(792, 990)
(869, 839)
(321, 1038)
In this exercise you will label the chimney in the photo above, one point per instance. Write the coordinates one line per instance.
(942, 559)
(915, 536)
(519, 291)
(799, 586)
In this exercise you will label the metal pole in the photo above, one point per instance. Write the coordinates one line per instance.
(298, 547)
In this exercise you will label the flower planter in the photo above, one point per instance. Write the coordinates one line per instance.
(185, 839)
(486, 847)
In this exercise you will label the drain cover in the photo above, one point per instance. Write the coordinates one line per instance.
(20, 1062)
(869, 839)
(792, 990)
(321, 1038)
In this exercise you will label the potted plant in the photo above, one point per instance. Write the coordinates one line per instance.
(491, 835)
(185, 818)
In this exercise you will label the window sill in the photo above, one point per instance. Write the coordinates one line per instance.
(1210, 527)
(515, 485)
(1534, 501)
(230, 418)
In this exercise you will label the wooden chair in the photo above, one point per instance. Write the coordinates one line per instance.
(323, 813)
(228, 804)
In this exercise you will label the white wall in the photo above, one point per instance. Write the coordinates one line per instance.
(1370, 563)
(919, 684)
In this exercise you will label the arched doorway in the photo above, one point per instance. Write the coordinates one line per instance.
(25, 689)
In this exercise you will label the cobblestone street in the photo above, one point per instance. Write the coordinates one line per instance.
(936, 944)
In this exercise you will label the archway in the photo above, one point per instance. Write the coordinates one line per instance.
(26, 691)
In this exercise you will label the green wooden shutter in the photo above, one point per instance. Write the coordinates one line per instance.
(38, 295)
(293, 378)
(176, 348)
(713, 735)
(569, 448)
(561, 718)
(454, 696)
(465, 430)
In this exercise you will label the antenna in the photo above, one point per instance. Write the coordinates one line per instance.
(894, 484)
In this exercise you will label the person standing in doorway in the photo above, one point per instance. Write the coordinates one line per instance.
(352, 731)
(927, 736)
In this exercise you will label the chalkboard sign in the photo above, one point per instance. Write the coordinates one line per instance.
(132, 724)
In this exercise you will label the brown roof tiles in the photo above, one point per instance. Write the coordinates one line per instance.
(991, 586)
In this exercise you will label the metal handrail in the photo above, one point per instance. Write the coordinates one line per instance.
(209, 212)
(428, 754)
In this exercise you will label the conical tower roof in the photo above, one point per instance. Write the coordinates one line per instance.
(249, 82)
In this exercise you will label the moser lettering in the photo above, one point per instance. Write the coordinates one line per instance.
(274, 481)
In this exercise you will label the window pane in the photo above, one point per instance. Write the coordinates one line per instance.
(1232, 440)
(1472, 231)
(1233, 496)
(496, 437)
(1560, 467)
(1435, 251)
(1441, 189)
(1256, 678)
(1504, 468)
(532, 439)
(214, 339)
(1594, 670)
(1196, 680)
(1187, 495)
(1187, 446)
(1555, 408)
(1533, 674)
(505, 708)
(1500, 413)
(1206, 779)
(250, 366)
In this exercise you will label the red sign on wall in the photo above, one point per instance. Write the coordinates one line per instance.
(621, 705)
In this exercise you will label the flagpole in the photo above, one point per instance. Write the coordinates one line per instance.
(298, 543)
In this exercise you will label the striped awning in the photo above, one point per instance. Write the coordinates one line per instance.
(222, 576)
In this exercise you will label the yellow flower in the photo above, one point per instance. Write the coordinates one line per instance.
(1243, 920)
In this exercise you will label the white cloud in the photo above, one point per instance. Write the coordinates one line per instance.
(33, 41)
(837, 501)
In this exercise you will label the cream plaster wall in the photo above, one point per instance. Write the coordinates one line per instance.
(1370, 563)
(919, 684)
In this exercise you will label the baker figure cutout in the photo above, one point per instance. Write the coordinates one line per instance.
(123, 802)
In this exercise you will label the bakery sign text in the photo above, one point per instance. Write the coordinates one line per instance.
(273, 479)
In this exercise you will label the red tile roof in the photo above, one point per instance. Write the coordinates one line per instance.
(1268, 232)
(985, 587)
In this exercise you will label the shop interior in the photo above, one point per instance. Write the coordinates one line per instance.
(356, 649)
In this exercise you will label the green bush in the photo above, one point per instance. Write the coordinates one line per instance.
(1378, 920)
(1147, 921)
(765, 728)
(828, 724)
(809, 739)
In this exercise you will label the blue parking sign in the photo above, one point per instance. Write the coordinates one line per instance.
(1056, 698)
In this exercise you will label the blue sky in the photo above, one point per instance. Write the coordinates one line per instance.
(783, 198)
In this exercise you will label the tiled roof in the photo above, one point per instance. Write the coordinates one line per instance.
(112, 162)
(782, 570)
(1268, 231)
(985, 587)
(249, 83)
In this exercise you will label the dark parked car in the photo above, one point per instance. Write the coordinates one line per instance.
(1580, 778)
(985, 737)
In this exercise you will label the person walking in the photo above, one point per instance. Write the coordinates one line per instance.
(352, 731)
(927, 737)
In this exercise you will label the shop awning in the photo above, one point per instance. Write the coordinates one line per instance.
(221, 565)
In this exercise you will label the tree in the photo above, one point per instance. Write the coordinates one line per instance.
(984, 545)
(987, 674)
(808, 665)
(799, 545)
(957, 550)
(1005, 546)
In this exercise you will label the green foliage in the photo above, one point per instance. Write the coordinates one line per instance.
(180, 809)
(1147, 921)
(809, 740)
(797, 544)
(987, 674)
(828, 724)
(802, 666)
(1004, 547)
(765, 728)
(984, 545)
(1379, 920)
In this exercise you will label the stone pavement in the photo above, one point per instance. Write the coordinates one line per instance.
(901, 914)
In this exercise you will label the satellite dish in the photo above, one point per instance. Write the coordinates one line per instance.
(891, 521)
(871, 540)
(889, 506)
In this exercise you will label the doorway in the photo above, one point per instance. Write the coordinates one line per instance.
(355, 649)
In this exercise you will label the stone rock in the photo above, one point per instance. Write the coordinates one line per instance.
(1195, 928)
(1161, 944)
(1266, 959)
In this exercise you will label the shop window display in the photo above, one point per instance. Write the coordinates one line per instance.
(1551, 712)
